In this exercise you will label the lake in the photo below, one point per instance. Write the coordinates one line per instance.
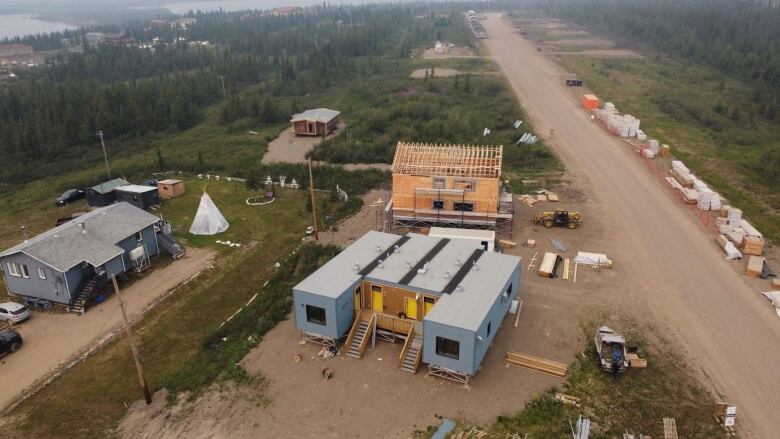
(13, 25)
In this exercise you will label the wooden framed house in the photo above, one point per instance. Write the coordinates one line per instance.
(317, 122)
(444, 299)
(449, 185)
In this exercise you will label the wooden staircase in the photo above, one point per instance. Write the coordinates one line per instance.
(361, 332)
(79, 305)
(412, 352)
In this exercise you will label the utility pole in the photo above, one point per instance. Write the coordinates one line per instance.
(313, 204)
(105, 156)
(222, 79)
(136, 358)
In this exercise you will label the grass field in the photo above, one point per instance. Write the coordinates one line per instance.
(710, 121)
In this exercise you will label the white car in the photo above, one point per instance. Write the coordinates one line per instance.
(14, 312)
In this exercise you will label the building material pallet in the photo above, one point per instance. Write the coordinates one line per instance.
(537, 364)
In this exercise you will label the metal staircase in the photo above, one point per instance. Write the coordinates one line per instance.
(167, 241)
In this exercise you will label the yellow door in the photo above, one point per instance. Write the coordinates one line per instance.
(411, 308)
(378, 301)
(357, 299)
(429, 302)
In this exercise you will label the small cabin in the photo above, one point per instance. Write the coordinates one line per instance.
(142, 197)
(317, 122)
(103, 194)
(170, 188)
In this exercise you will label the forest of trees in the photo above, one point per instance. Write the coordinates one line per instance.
(51, 114)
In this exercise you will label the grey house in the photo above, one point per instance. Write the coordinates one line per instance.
(58, 265)
(445, 299)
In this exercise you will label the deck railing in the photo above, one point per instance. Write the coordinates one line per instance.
(407, 343)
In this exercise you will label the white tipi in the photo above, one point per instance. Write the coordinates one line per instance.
(208, 220)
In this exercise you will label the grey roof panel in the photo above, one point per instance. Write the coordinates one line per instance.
(323, 115)
(68, 245)
(108, 186)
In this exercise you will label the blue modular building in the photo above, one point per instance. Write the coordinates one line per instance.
(444, 298)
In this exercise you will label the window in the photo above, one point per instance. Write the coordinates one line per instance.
(447, 348)
(25, 272)
(438, 204)
(488, 329)
(509, 289)
(439, 182)
(315, 314)
(464, 185)
(139, 236)
(463, 207)
(41, 273)
(13, 269)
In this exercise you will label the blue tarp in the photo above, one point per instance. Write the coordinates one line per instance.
(444, 429)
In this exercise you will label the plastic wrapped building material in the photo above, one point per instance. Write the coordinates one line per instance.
(749, 229)
(654, 146)
(699, 185)
(715, 202)
(705, 199)
(648, 153)
(640, 135)
(731, 251)
(735, 216)
(593, 259)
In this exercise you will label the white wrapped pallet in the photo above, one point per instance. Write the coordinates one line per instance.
(705, 198)
(648, 153)
(609, 106)
(640, 135)
(715, 203)
(735, 216)
(749, 229)
(680, 167)
(699, 185)
(654, 146)
(731, 251)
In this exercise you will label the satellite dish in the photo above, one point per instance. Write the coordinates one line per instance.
(486, 132)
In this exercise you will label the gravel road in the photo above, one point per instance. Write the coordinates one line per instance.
(675, 275)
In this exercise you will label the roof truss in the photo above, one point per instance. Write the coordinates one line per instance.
(430, 159)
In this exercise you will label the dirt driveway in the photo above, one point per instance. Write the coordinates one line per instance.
(51, 340)
(292, 149)
(673, 275)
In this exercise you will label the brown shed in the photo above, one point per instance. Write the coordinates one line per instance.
(170, 188)
(317, 122)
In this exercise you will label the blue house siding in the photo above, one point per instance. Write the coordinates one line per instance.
(52, 288)
(114, 266)
(149, 242)
(494, 318)
(330, 328)
(467, 339)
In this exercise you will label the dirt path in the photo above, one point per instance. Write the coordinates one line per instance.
(674, 275)
(352, 228)
(53, 339)
(292, 149)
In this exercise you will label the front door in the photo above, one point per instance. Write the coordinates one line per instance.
(428, 302)
(357, 298)
(411, 308)
(377, 305)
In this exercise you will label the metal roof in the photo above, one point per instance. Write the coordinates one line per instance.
(68, 244)
(452, 232)
(450, 263)
(169, 181)
(136, 188)
(108, 186)
(323, 115)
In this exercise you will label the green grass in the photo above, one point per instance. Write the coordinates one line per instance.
(711, 122)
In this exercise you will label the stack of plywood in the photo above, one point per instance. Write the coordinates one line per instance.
(681, 173)
(753, 245)
(528, 200)
(538, 364)
(691, 196)
(549, 264)
(755, 266)
(635, 361)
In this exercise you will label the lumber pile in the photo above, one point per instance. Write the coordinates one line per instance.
(635, 361)
(537, 364)
(568, 399)
(549, 264)
(528, 200)
(505, 243)
(753, 245)
(670, 428)
(682, 174)
(755, 266)
(690, 196)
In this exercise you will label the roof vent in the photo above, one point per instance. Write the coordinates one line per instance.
(424, 269)
(378, 248)
(459, 287)
(83, 227)
(396, 249)
(447, 275)
(380, 264)
(458, 262)
(357, 266)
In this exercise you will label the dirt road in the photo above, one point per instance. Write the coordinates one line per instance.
(674, 276)
(50, 340)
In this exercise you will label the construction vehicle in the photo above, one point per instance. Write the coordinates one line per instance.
(558, 218)
(611, 348)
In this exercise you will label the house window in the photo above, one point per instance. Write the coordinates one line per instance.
(463, 207)
(25, 272)
(13, 269)
(139, 236)
(41, 273)
(509, 289)
(464, 185)
(488, 329)
(447, 348)
(438, 204)
(439, 182)
(315, 314)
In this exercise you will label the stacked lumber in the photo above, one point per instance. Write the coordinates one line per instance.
(568, 399)
(674, 183)
(528, 200)
(549, 264)
(753, 245)
(537, 364)
(670, 428)
(681, 173)
(691, 196)
(552, 197)
(635, 361)
(507, 243)
(728, 247)
(755, 266)
(541, 197)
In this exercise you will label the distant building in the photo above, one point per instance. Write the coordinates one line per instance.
(103, 194)
(142, 197)
(317, 122)
(95, 39)
(183, 22)
(286, 11)
(19, 55)
(160, 24)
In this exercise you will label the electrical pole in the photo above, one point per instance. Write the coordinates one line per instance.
(105, 156)
(313, 204)
(222, 79)
(136, 358)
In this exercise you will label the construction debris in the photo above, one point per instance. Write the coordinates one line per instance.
(582, 431)
(528, 200)
(505, 243)
(327, 373)
(755, 266)
(568, 399)
(726, 416)
(542, 365)
(593, 259)
(558, 245)
(531, 243)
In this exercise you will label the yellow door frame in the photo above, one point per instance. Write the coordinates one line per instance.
(357, 298)
(377, 303)
(428, 306)
(410, 308)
